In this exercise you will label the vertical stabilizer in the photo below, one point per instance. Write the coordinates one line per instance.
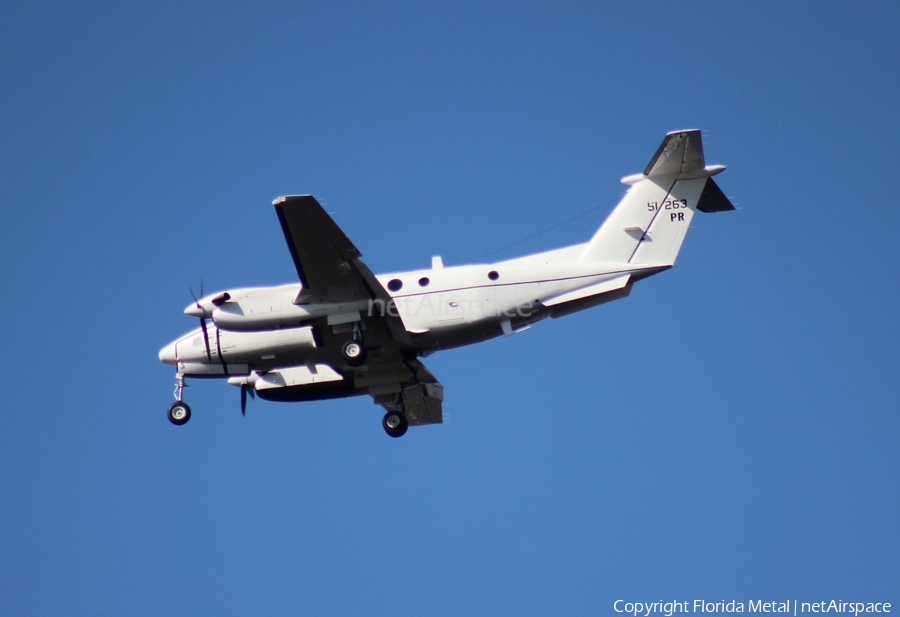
(650, 222)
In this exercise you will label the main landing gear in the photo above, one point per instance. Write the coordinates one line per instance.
(394, 423)
(353, 351)
(179, 411)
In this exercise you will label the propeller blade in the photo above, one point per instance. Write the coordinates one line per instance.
(243, 399)
(219, 351)
(206, 338)
(194, 296)
(202, 319)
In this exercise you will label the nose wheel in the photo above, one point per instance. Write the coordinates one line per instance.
(179, 411)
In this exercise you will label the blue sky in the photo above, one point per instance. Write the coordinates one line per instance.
(729, 431)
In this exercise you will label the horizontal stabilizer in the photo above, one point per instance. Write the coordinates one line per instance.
(713, 199)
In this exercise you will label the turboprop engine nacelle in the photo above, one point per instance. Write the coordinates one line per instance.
(237, 317)
(251, 316)
(236, 348)
(251, 309)
(287, 377)
(264, 308)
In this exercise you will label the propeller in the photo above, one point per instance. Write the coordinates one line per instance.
(202, 319)
(244, 390)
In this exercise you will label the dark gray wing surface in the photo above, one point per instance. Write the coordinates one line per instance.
(325, 258)
(328, 263)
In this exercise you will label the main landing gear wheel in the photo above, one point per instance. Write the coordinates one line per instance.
(354, 353)
(395, 424)
(179, 413)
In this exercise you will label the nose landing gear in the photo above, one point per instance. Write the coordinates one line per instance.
(179, 412)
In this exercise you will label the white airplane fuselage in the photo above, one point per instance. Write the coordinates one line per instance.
(440, 308)
(343, 331)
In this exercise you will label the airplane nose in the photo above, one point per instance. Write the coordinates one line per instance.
(167, 354)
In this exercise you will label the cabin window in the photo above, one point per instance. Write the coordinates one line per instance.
(395, 284)
(493, 275)
(423, 282)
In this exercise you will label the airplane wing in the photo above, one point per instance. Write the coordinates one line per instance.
(331, 272)
(327, 262)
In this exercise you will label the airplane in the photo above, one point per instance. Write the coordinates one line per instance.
(343, 331)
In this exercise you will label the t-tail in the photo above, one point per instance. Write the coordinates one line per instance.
(648, 225)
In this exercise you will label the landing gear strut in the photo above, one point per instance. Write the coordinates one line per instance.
(179, 411)
(394, 423)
